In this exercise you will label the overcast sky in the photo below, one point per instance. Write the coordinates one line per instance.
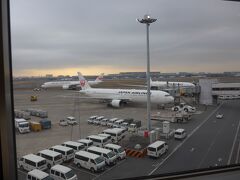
(94, 36)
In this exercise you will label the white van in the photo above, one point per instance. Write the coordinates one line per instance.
(32, 161)
(91, 119)
(124, 126)
(38, 175)
(22, 125)
(105, 135)
(180, 134)
(67, 152)
(108, 155)
(89, 161)
(71, 120)
(117, 124)
(118, 150)
(62, 172)
(104, 121)
(77, 146)
(98, 141)
(157, 148)
(111, 122)
(116, 134)
(51, 157)
(87, 143)
(98, 120)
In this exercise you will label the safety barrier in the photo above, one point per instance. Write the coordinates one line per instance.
(136, 153)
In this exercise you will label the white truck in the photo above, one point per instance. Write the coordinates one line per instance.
(22, 125)
(71, 120)
(184, 107)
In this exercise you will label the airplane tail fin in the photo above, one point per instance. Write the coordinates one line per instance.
(83, 82)
(100, 78)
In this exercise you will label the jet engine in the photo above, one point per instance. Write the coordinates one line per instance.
(116, 103)
(65, 86)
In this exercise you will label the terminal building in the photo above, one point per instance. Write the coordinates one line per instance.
(226, 90)
(212, 91)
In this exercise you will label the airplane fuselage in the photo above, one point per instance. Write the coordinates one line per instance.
(60, 84)
(171, 84)
(157, 97)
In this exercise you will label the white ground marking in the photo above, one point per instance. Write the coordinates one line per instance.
(210, 147)
(234, 142)
(238, 151)
(82, 170)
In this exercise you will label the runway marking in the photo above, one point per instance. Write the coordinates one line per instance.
(178, 146)
(109, 169)
(192, 149)
(234, 142)
(157, 164)
(82, 170)
(238, 151)
(209, 148)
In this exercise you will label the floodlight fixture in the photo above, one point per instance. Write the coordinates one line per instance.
(146, 19)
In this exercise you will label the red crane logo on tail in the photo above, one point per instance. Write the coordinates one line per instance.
(82, 82)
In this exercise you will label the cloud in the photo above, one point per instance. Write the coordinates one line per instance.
(61, 34)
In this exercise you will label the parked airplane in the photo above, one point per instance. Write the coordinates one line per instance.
(70, 84)
(118, 97)
(163, 84)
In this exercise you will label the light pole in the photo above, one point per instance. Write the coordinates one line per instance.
(148, 20)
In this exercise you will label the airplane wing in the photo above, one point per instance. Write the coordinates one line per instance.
(96, 98)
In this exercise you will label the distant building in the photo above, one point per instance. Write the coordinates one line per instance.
(212, 90)
(60, 76)
(126, 75)
(184, 74)
(49, 76)
(231, 89)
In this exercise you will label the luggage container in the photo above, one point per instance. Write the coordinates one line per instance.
(31, 111)
(35, 126)
(42, 114)
(37, 112)
(45, 123)
(22, 114)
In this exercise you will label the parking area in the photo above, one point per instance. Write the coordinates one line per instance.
(60, 104)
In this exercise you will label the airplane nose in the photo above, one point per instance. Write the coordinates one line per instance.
(171, 99)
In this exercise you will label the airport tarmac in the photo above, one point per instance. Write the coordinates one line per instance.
(60, 104)
(215, 143)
